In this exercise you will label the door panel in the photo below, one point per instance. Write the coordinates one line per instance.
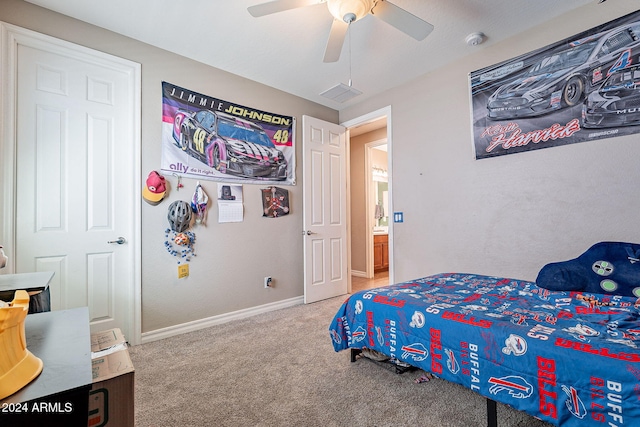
(100, 293)
(325, 228)
(337, 259)
(76, 174)
(317, 180)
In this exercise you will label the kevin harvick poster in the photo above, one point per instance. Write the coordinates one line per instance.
(583, 88)
(207, 138)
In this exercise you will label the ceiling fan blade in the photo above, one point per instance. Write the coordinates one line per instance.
(276, 6)
(336, 40)
(402, 20)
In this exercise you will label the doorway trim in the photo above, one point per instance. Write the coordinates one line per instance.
(11, 36)
(369, 185)
(384, 112)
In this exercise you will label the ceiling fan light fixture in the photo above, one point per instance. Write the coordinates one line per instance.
(349, 10)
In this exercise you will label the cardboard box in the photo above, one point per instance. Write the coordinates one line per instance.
(112, 392)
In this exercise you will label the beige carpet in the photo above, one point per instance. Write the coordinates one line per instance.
(280, 369)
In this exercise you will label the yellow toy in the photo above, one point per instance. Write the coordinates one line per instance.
(18, 367)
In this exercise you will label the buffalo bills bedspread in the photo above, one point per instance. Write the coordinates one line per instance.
(565, 357)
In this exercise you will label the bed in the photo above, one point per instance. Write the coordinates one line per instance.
(567, 357)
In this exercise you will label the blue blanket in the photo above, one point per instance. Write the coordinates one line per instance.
(569, 358)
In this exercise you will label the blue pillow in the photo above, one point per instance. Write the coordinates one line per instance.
(611, 268)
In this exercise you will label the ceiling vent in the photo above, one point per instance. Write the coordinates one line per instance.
(341, 93)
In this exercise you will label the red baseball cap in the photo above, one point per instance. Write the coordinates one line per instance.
(155, 189)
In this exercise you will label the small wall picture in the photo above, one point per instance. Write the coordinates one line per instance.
(275, 202)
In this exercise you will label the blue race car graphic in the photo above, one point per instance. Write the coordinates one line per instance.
(616, 103)
(229, 144)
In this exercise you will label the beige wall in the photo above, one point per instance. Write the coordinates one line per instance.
(232, 259)
(512, 214)
(358, 196)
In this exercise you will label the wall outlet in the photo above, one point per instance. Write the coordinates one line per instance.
(268, 282)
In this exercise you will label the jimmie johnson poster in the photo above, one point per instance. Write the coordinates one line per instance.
(583, 88)
(206, 138)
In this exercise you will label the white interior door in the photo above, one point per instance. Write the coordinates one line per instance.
(77, 179)
(325, 210)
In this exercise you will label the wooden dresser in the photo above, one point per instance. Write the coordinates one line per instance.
(380, 252)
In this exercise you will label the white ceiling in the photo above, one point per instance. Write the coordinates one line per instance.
(285, 50)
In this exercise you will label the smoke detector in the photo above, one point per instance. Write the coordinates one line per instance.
(474, 39)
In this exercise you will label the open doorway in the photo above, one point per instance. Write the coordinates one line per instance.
(371, 231)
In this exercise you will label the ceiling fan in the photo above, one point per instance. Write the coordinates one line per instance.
(346, 12)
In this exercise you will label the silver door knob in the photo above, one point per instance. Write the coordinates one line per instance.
(119, 240)
(308, 233)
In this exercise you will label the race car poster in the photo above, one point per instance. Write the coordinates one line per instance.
(275, 202)
(583, 88)
(206, 138)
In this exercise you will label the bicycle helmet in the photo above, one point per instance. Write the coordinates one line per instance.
(179, 216)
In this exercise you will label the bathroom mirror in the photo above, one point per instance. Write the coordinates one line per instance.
(381, 199)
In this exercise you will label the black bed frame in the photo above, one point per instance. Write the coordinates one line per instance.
(492, 414)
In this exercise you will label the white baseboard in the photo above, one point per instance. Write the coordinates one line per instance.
(359, 273)
(195, 325)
